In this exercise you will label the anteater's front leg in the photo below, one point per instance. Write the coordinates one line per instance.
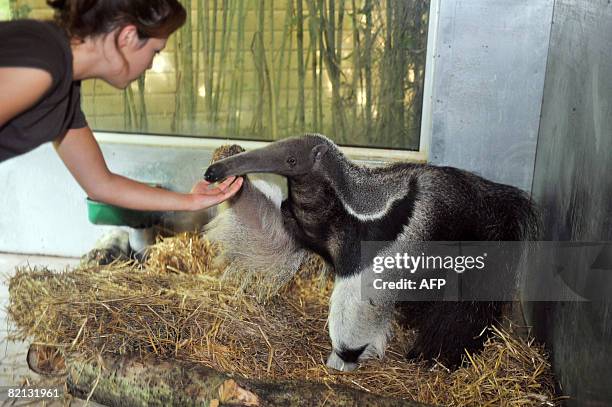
(290, 223)
(358, 326)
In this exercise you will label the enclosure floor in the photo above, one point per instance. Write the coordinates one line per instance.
(13, 366)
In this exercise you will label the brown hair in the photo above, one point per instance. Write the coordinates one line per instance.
(91, 18)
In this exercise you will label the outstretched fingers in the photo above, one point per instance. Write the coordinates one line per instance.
(203, 187)
(228, 188)
(224, 190)
(226, 185)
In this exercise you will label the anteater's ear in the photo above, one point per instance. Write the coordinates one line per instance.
(319, 151)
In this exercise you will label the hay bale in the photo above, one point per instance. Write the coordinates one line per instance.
(177, 306)
(185, 253)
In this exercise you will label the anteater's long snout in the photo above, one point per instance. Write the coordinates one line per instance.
(235, 165)
(266, 159)
(215, 173)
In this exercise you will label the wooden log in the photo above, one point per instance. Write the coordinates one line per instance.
(132, 381)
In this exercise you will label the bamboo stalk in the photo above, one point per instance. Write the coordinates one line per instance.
(391, 122)
(198, 49)
(235, 102)
(271, 78)
(186, 53)
(418, 59)
(322, 57)
(333, 68)
(301, 115)
(242, 69)
(356, 79)
(288, 76)
(259, 61)
(232, 96)
(176, 118)
(368, 67)
(131, 108)
(384, 104)
(314, 41)
(339, 33)
(226, 27)
(272, 72)
(143, 122)
(92, 119)
(207, 74)
(212, 49)
(280, 59)
(127, 119)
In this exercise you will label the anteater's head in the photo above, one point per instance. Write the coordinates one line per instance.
(292, 157)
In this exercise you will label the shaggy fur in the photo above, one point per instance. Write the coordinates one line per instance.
(255, 245)
(335, 204)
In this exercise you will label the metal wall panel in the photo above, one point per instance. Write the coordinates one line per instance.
(488, 81)
(573, 184)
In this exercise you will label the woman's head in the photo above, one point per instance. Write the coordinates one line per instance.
(128, 32)
(92, 18)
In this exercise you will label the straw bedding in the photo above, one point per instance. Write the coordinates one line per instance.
(178, 305)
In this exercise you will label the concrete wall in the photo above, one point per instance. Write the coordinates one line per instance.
(489, 76)
(43, 210)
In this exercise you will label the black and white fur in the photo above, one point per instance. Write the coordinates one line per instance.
(256, 247)
(334, 204)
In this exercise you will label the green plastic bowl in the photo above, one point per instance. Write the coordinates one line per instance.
(100, 213)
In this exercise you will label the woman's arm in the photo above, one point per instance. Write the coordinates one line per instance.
(20, 89)
(80, 152)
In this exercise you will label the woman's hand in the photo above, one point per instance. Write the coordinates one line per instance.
(204, 196)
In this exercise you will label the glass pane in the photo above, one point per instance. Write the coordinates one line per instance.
(267, 69)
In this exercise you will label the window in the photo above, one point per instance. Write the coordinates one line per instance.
(267, 69)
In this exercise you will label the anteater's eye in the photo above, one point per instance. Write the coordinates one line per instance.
(291, 161)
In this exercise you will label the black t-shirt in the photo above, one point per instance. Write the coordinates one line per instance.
(43, 45)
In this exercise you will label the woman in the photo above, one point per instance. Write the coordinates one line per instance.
(41, 66)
